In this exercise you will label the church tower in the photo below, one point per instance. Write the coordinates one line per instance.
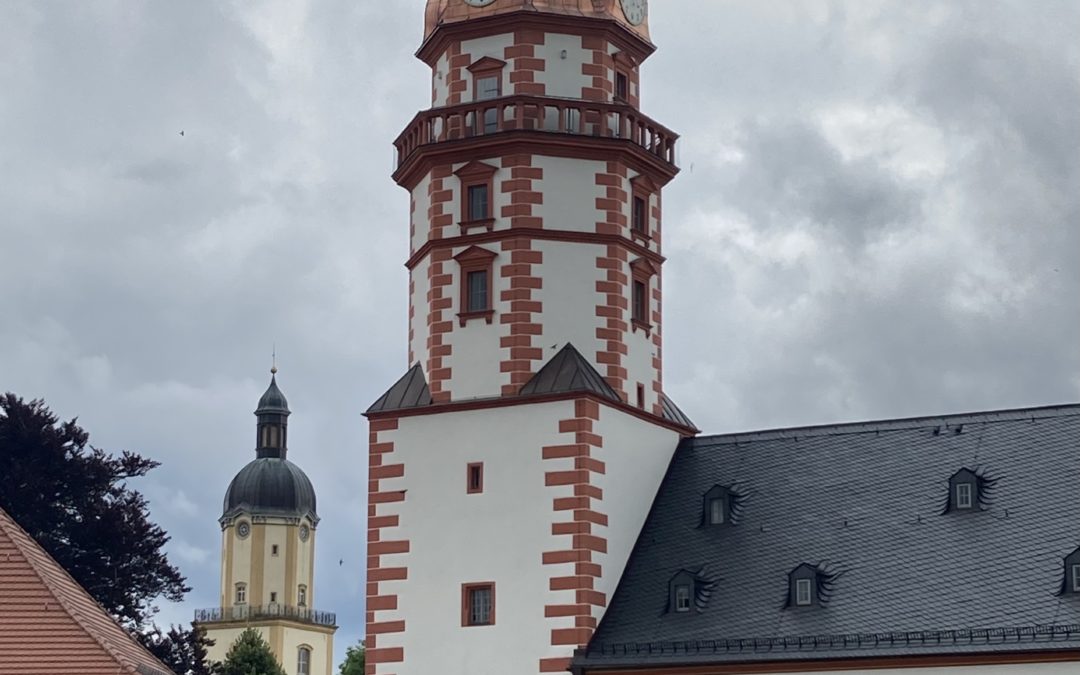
(268, 554)
(511, 468)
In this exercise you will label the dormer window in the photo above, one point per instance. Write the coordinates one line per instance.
(1071, 582)
(688, 591)
(963, 491)
(717, 506)
(803, 586)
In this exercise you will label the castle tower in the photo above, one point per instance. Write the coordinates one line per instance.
(512, 466)
(268, 554)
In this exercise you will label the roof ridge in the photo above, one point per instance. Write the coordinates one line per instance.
(21, 539)
(899, 423)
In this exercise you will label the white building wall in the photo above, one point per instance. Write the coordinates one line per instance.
(636, 454)
(440, 89)
(562, 76)
(321, 645)
(497, 536)
(475, 348)
(419, 305)
(570, 193)
(420, 226)
(1017, 669)
(569, 296)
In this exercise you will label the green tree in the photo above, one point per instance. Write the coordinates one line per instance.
(354, 660)
(250, 655)
(74, 499)
(184, 651)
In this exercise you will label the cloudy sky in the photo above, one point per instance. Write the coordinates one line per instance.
(878, 216)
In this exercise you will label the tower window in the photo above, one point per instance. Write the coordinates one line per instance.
(479, 204)
(682, 598)
(303, 661)
(274, 550)
(478, 604)
(474, 480)
(301, 595)
(622, 86)
(488, 87)
(273, 596)
(640, 302)
(477, 291)
(639, 220)
(241, 594)
(641, 396)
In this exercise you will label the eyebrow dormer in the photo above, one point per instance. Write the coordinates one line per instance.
(1070, 585)
(688, 591)
(803, 586)
(717, 506)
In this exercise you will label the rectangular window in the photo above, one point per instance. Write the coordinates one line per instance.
(963, 495)
(241, 594)
(478, 291)
(474, 478)
(478, 605)
(1076, 578)
(641, 396)
(274, 549)
(488, 87)
(273, 596)
(640, 221)
(802, 592)
(478, 202)
(716, 511)
(622, 86)
(301, 596)
(682, 598)
(303, 662)
(640, 302)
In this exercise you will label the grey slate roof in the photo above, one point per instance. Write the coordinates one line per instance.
(411, 391)
(867, 503)
(672, 413)
(270, 486)
(272, 400)
(568, 371)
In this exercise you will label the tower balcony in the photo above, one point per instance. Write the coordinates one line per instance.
(265, 612)
(520, 116)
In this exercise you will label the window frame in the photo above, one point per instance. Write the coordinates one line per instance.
(965, 499)
(682, 592)
(641, 272)
(478, 487)
(802, 585)
(475, 259)
(467, 591)
(301, 595)
(240, 593)
(714, 502)
(303, 660)
(486, 67)
(621, 76)
(274, 551)
(1075, 571)
(476, 174)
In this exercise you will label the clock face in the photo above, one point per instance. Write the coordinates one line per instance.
(635, 11)
(478, 3)
(243, 529)
(304, 532)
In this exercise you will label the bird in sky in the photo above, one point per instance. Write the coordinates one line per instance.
(181, 132)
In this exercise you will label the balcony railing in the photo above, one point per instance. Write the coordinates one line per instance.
(271, 611)
(536, 113)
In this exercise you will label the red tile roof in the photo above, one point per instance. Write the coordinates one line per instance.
(49, 625)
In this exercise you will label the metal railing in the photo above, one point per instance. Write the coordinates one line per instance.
(536, 113)
(272, 611)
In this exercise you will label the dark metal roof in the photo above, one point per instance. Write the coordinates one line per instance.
(272, 401)
(270, 486)
(866, 501)
(672, 413)
(411, 391)
(568, 371)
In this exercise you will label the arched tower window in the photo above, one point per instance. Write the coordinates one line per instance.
(303, 660)
(301, 595)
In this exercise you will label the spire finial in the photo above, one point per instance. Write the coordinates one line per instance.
(273, 357)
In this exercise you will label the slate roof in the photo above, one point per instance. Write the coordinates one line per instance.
(49, 624)
(270, 486)
(272, 400)
(866, 503)
(411, 391)
(568, 371)
(672, 413)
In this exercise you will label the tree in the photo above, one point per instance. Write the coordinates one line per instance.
(75, 501)
(184, 651)
(354, 660)
(250, 655)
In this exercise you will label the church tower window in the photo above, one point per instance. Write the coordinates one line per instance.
(301, 596)
(478, 604)
(475, 478)
(241, 594)
(476, 265)
(303, 661)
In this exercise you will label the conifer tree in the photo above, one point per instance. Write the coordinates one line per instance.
(250, 655)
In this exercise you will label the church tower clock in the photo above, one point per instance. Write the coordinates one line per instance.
(514, 463)
(268, 554)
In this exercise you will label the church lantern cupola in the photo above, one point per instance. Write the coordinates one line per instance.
(272, 426)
